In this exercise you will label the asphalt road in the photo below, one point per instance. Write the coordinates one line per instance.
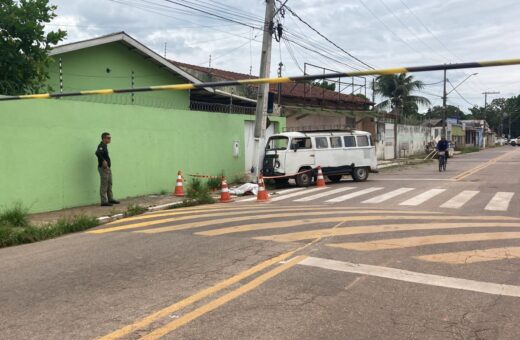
(409, 254)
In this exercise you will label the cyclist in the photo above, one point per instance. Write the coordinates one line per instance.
(442, 148)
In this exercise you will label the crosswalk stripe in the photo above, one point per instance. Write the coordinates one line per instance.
(383, 228)
(388, 195)
(500, 202)
(324, 194)
(353, 195)
(459, 200)
(299, 193)
(305, 221)
(473, 256)
(408, 242)
(423, 197)
(283, 192)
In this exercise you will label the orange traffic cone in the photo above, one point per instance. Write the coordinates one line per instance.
(263, 195)
(225, 197)
(320, 181)
(179, 188)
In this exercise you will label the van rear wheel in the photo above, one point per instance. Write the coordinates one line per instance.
(335, 178)
(304, 179)
(360, 174)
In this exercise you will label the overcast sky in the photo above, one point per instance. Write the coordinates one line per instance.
(381, 33)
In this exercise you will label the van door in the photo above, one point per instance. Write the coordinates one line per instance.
(301, 155)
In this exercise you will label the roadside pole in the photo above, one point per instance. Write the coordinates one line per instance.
(263, 90)
(444, 109)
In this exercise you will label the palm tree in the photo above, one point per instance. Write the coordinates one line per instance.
(398, 89)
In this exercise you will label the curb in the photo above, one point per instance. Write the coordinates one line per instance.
(106, 219)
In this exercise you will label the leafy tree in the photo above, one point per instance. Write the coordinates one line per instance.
(325, 84)
(451, 112)
(498, 114)
(399, 88)
(24, 46)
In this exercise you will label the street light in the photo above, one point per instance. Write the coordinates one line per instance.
(471, 75)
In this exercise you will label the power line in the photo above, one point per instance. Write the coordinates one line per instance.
(210, 13)
(457, 92)
(324, 37)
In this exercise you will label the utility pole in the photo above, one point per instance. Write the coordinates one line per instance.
(444, 109)
(263, 90)
(486, 104)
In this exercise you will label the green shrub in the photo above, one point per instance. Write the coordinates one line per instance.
(198, 192)
(214, 183)
(16, 216)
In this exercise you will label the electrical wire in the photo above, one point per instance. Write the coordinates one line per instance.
(327, 39)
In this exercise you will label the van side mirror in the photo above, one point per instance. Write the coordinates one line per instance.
(294, 146)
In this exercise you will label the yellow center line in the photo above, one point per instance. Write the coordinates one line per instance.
(222, 300)
(477, 168)
(301, 222)
(196, 297)
(409, 242)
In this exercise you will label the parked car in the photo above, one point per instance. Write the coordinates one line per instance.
(338, 153)
(515, 141)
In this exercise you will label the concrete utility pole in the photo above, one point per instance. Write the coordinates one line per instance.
(261, 102)
(485, 103)
(444, 108)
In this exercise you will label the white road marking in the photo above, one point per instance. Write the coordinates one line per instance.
(299, 193)
(421, 198)
(323, 194)
(354, 194)
(283, 192)
(459, 200)
(414, 277)
(500, 202)
(388, 195)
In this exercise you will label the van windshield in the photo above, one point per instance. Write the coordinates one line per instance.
(277, 143)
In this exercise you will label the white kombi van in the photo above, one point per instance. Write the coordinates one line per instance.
(338, 153)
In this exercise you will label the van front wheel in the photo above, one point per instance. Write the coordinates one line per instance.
(304, 179)
(360, 174)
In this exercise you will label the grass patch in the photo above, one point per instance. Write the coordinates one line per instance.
(135, 209)
(163, 192)
(11, 235)
(214, 183)
(470, 149)
(16, 216)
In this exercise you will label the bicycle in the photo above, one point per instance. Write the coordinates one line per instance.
(442, 160)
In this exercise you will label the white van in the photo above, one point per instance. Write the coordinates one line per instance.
(338, 153)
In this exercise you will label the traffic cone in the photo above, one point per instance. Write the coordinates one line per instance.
(179, 187)
(263, 195)
(225, 196)
(320, 181)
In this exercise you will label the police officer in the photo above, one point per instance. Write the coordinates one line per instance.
(105, 173)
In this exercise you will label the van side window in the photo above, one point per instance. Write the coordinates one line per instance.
(322, 143)
(362, 141)
(301, 143)
(350, 141)
(335, 142)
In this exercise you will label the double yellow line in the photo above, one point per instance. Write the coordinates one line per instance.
(186, 318)
(476, 169)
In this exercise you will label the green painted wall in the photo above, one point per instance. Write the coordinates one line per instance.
(86, 69)
(47, 149)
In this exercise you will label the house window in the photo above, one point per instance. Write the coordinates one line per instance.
(335, 142)
(301, 143)
(322, 143)
(350, 141)
(362, 141)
